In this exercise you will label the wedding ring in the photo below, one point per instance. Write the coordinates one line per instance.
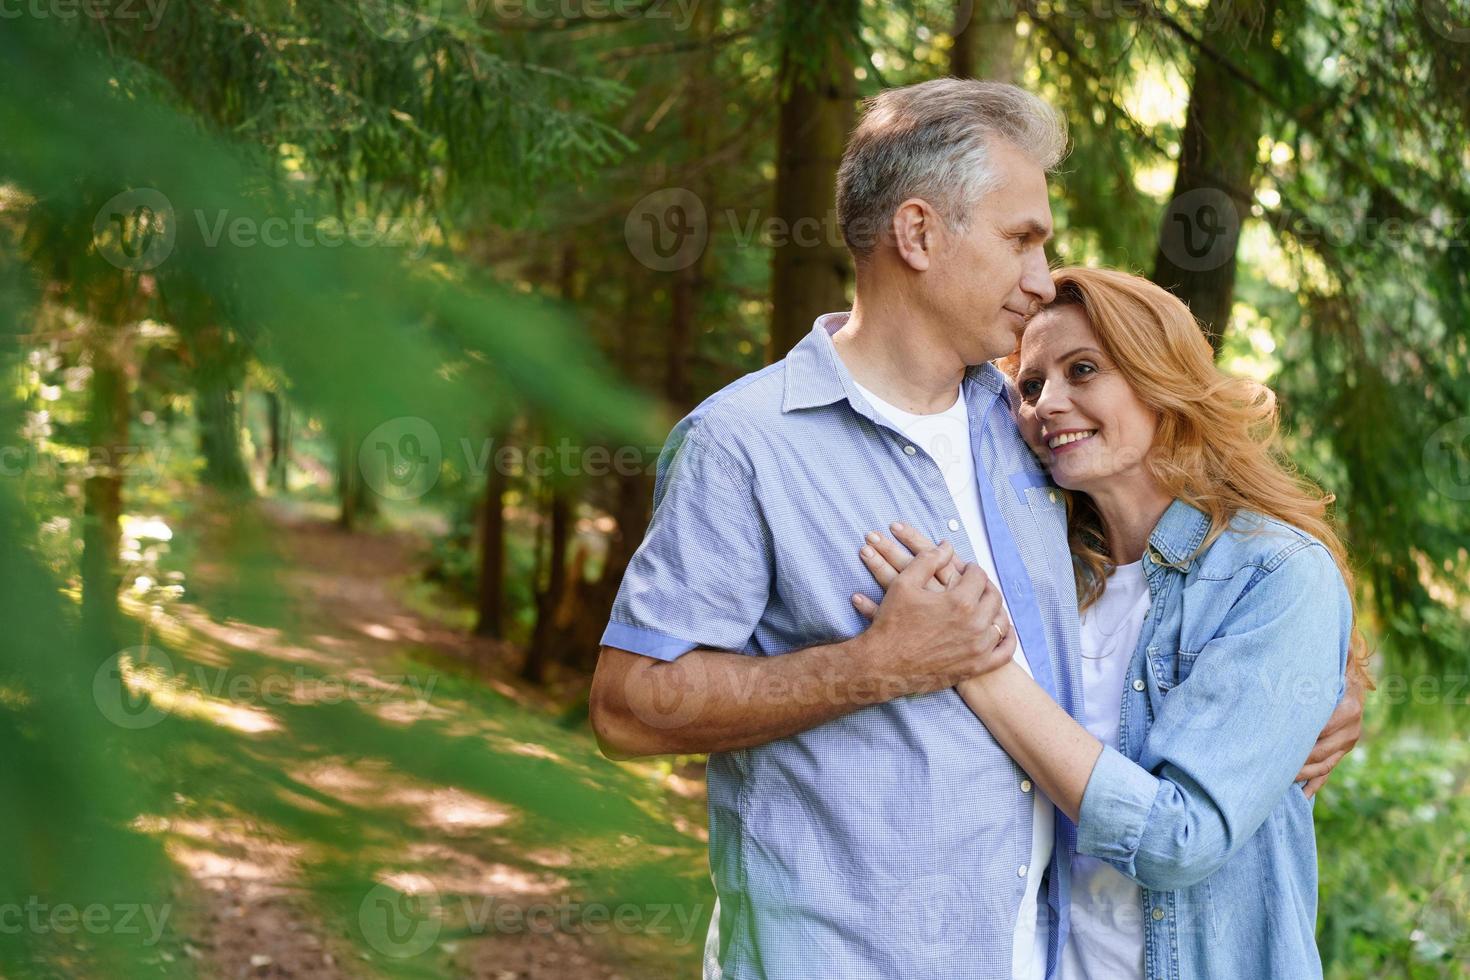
(1000, 634)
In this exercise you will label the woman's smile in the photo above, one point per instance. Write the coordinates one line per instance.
(1066, 439)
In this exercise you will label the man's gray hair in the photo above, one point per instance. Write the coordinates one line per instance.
(932, 141)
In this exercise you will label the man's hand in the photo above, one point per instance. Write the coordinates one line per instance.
(929, 639)
(1343, 730)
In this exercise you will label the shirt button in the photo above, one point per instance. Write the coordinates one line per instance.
(1158, 914)
(1051, 495)
(954, 525)
(1021, 871)
(1025, 785)
(1138, 683)
(909, 450)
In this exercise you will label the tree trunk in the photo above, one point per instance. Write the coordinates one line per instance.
(280, 441)
(107, 432)
(491, 598)
(688, 283)
(1217, 167)
(681, 332)
(218, 369)
(809, 266)
(550, 597)
(546, 635)
(356, 496)
(985, 41)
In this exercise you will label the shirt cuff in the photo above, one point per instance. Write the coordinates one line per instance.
(649, 643)
(1115, 808)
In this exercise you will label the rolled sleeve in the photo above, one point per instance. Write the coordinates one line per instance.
(1115, 807)
(1229, 739)
(702, 576)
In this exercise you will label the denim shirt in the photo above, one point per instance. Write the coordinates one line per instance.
(1239, 665)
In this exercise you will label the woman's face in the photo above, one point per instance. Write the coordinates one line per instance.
(1078, 414)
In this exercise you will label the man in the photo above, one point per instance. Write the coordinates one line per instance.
(863, 823)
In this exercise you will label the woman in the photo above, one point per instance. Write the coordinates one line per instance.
(1217, 625)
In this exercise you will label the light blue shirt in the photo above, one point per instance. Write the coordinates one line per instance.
(1238, 667)
(893, 841)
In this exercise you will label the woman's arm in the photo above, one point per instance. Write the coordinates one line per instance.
(1228, 741)
(1056, 752)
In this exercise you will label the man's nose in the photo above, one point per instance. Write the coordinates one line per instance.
(1036, 279)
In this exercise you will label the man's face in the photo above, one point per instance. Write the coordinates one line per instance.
(994, 275)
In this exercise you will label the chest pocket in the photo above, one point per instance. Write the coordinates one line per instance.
(1170, 667)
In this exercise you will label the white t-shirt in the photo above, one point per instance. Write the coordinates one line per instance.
(1106, 937)
(945, 436)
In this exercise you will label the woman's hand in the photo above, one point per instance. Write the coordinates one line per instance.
(886, 558)
(1338, 738)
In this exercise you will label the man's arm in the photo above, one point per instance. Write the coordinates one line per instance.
(712, 701)
(715, 701)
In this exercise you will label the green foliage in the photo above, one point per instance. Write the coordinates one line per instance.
(493, 162)
(1393, 840)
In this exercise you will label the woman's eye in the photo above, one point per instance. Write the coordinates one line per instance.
(1030, 390)
(1083, 368)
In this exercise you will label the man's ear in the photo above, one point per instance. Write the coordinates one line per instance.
(914, 227)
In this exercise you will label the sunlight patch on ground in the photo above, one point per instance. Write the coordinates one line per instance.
(456, 872)
(395, 629)
(407, 712)
(531, 749)
(172, 694)
(253, 639)
(379, 632)
(470, 726)
(375, 784)
(217, 852)
(548, 857)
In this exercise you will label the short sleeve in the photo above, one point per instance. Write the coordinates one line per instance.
(702, 576)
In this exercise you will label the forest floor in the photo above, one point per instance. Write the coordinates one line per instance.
(360, 790)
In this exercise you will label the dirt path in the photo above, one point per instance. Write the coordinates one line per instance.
(379, 818)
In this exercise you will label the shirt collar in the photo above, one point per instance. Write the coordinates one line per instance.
(1177, 537)
(815, 374)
